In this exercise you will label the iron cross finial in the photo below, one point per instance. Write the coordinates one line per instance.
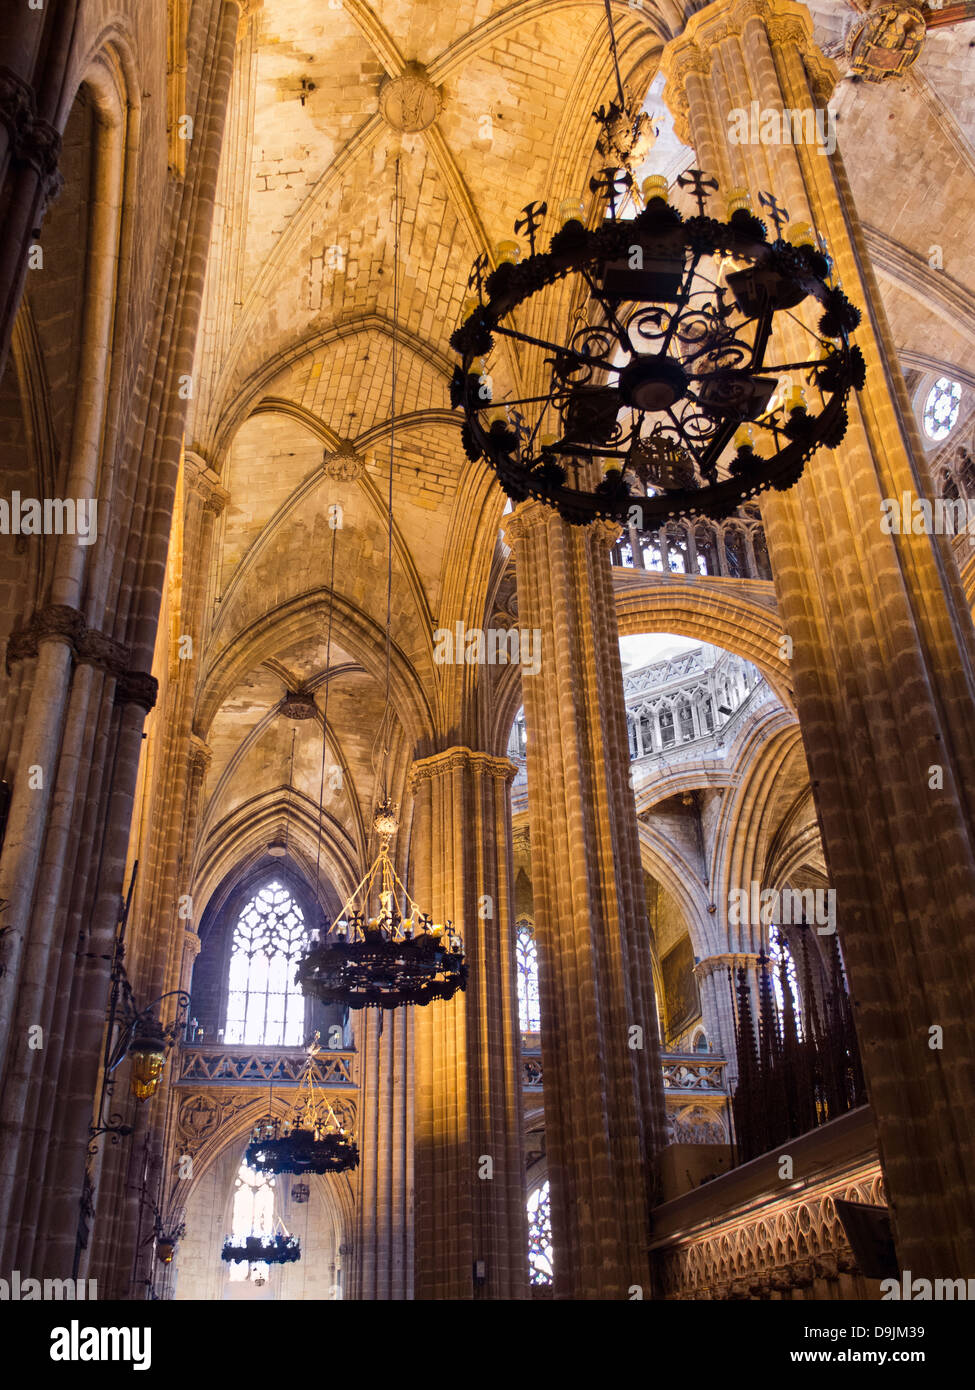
(532, 220)
(777, 212)
(476, 277)
(612, 185)
(700, 184)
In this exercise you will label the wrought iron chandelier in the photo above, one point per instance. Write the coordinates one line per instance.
(391, 958)
(669, 380)
(310, 1140)
(279, 1249)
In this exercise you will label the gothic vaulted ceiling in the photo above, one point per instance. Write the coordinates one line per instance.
(457, 116)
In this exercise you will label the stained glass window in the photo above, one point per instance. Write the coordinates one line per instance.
(529, 1015)
(540, 1269)
(264, 1005)
(778, 951)
(253, 1216)
(941, 408)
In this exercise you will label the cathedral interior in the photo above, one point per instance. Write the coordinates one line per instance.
(472, 830)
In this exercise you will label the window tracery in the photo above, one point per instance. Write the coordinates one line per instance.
(941, 408)
(529, 1013)
(540, 1266)
(264, 1005)
(779, 952)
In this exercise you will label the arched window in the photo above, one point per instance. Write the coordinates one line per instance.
(778, 951)
(264, 1005)
(941, 408)
(540, 1268)
(253, 1215)
(529, 1014)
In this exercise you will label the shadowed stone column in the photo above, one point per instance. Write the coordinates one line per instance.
(603, 1094)
(884, 659)
(383, 1264)
(470, 1186)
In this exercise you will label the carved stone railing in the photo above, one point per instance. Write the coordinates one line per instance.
(202, 1065)
(687, 1076)
(693, 1073)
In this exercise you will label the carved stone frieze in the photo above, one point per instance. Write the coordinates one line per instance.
(785, 1248)
(59, 623)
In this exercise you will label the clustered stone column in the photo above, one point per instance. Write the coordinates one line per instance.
(82, 686)
(382, 1267)
(884, 659)
(717, 978)
(604, 1113)
(468, 1150)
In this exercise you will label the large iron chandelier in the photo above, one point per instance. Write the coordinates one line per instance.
(310, 1140)
(664, 380)
(387, 959)
(667, 379)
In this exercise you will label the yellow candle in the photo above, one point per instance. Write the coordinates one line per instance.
(801, 234)
(654, 187)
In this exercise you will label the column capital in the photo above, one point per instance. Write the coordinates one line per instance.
(201, 479)
(694, 50)
(200, 754)
(528, 515)
(452, 759)
(726, 960)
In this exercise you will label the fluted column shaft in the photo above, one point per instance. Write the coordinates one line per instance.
(470, 1197)
(603, 1090)
(884, 660)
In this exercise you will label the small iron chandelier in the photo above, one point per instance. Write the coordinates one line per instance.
(310, 1140)
(390, 959)
(278, 1249)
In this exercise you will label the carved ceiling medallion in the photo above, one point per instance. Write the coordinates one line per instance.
(887, 42)
(411, 102)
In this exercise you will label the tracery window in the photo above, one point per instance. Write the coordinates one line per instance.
(540, 1268)
(529, 1014)
(264, 1005)
(778, 951)
(253, 1215)
(941, 408)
